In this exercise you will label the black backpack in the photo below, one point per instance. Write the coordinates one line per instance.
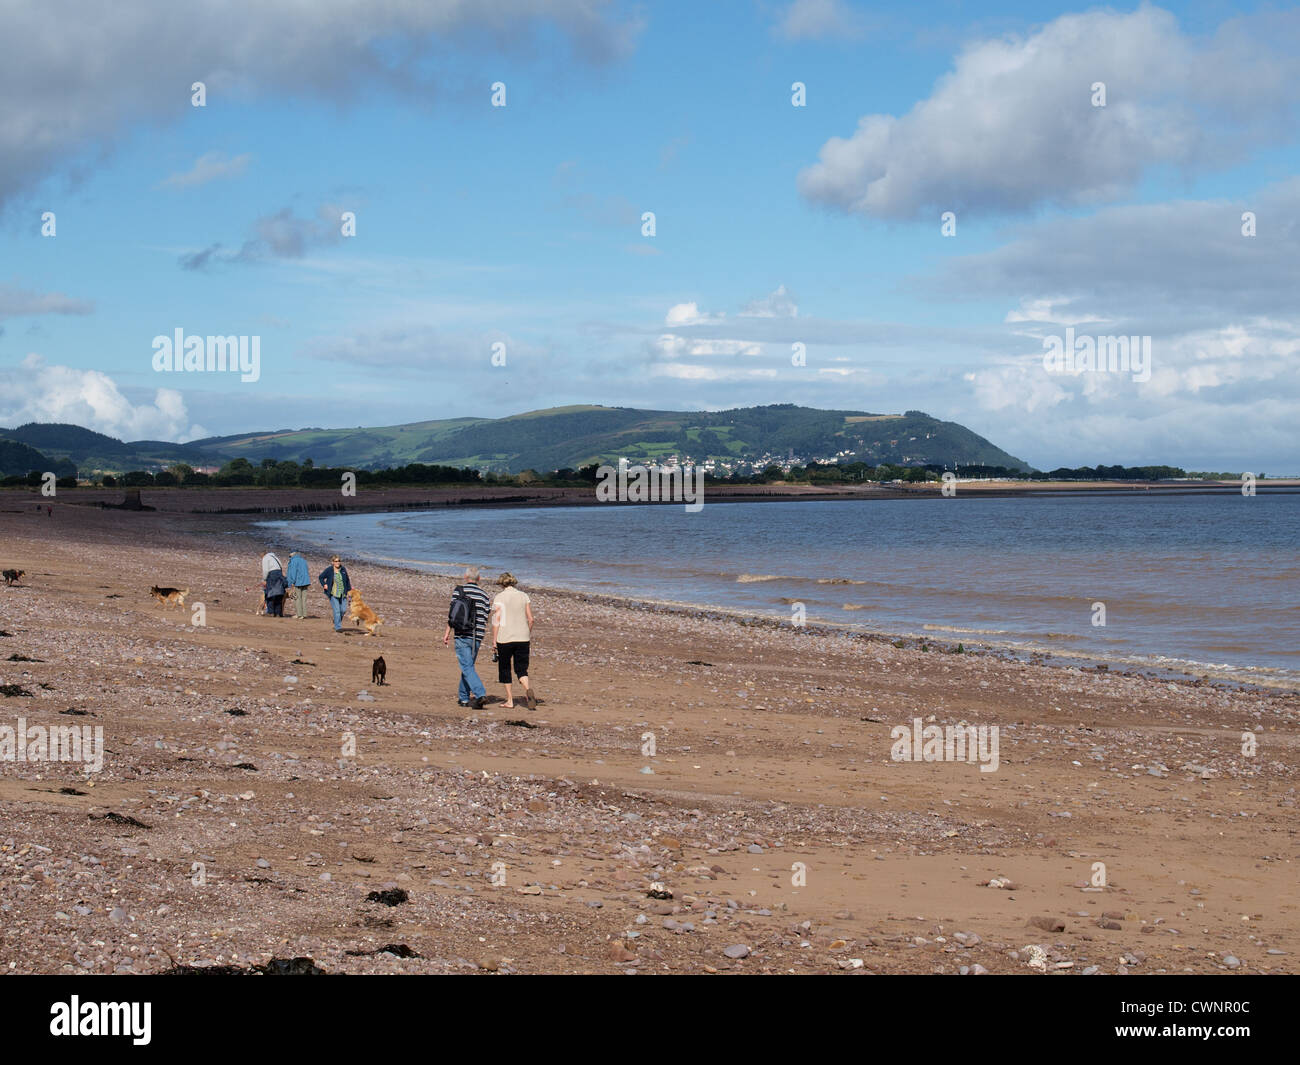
(462, 614)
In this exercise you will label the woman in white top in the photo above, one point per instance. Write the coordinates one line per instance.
(512, 632)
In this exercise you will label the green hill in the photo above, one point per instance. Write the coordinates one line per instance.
(18, 460)
(73, 448)
(575, 436)
(559, 438)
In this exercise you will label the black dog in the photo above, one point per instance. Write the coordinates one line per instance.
(378, 671)
(12, 576)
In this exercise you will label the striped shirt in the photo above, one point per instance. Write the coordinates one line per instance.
(482, 606)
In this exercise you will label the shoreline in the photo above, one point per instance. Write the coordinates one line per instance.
(943, 640)
(312, 502)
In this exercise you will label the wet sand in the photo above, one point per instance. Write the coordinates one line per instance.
(773, 814)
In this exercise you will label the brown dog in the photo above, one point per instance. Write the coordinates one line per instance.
(170, 596)
(13, 576)
(362, 614)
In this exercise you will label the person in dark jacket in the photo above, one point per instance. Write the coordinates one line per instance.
(335, 584)
(275, 590)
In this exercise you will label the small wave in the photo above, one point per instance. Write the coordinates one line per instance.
(854, 606)
(838, 580)
(751, 578)
(956, 628)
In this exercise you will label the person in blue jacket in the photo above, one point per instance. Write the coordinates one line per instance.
(334, 582)
(299, 577)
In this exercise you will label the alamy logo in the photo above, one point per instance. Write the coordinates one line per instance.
(651, 484)
(55, 743)
(949, 743)
(103, 1018)
(195, 354)
(1090, 354)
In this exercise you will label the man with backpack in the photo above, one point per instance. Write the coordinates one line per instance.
(467, 621)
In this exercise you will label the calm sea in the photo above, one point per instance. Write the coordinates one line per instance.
(1205, 584)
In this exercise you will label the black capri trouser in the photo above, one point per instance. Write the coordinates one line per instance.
(508, 653)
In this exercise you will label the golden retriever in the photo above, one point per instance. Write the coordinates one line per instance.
(362, 614)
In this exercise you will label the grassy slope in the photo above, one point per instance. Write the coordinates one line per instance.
(554, 439)
(574, 436)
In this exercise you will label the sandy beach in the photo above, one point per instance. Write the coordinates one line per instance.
(1124, 829)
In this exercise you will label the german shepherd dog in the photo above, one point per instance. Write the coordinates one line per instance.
(13, 576)
(362, 614)
(170, 596)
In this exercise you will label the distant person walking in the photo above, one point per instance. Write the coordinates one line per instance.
(512, 633)
(467, 621)
(335, 584)
(299, 577)
(273, 584)
(271, 564)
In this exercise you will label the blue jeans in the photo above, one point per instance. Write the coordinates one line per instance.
(470, 685)
(338, 606)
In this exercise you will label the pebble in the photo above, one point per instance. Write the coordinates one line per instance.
(737, 950)
(1231, 961)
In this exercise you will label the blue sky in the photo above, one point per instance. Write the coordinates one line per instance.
(775, 224)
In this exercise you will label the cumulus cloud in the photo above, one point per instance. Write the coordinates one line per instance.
(210, 166)
(689, 314)
(702, 334)
(39, 392)
(1217, 399)
(777, 304)
(87, 73)
(1218, 306)
(1013, 125)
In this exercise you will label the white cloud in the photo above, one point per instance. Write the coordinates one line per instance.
(675, 346)
(1013, 126)
(39, 392)
(689, 314)
(1047, 309)
(776, 304)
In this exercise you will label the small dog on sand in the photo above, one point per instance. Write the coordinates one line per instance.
(170, 596)
(13, 576)
(378, 671)
(362, 614)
